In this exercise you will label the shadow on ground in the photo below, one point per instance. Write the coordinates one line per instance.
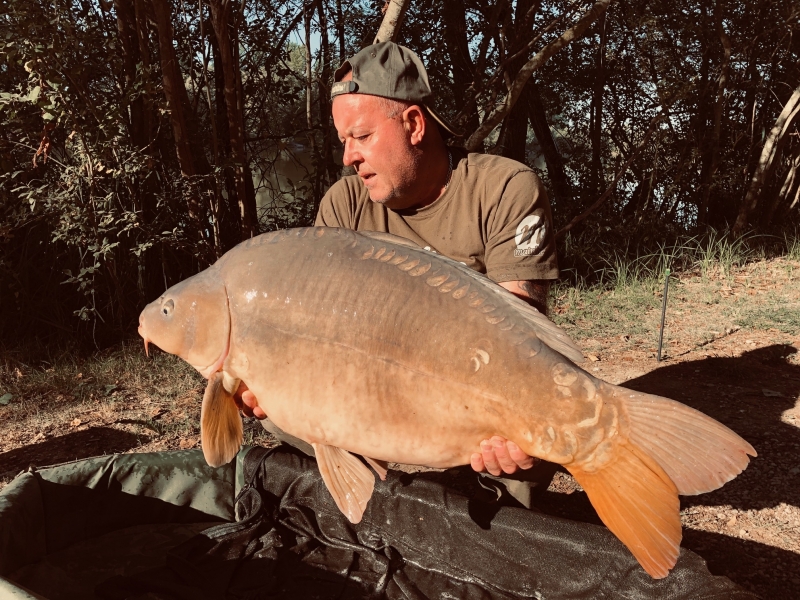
(94, 441)
(749, 394)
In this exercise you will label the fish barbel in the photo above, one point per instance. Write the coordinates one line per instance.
(364, 343)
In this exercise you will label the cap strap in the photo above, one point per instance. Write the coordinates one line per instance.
(343, 87)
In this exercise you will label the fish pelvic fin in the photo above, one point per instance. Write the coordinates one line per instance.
(698, 453)
(381, 467)
(638, 502)
(348, 480)
(221, 432)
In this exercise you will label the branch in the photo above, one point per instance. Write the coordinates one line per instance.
(633, 155)
(500, 112)
(771, 149)
(393, 13)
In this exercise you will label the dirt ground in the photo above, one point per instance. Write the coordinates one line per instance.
(731, 351)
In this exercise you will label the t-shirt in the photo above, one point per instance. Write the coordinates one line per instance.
(494, 217)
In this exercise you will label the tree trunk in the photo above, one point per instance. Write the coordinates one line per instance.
(126, 30)
(220, 19)
(340, 31)
(175, 91)
(787, 189)
(328, 168)
(771, 150)
(514, 133)
(561, 189)
(455, 38)
(230, 214)
(312, 134)
(394, 12)
(541, 57)
(712, 160)
(596, 182)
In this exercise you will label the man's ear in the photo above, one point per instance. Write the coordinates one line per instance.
(415, 124)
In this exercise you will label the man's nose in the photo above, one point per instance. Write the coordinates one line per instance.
(350, 156)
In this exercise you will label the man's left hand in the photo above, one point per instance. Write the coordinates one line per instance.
(498, 456)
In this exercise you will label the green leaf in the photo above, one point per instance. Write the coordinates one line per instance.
(5, 399)
(34, 95)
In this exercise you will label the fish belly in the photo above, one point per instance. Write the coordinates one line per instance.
(402, 359)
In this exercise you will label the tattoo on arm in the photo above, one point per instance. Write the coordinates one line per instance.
(536, 292)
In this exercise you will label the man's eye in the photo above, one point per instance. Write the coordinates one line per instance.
(361, 138)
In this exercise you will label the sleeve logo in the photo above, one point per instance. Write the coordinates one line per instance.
(531, 233)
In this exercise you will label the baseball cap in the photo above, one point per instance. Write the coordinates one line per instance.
(392, 71)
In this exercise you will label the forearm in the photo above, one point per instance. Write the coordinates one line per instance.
(534, 292)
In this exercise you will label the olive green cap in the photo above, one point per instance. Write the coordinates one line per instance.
(391, 71)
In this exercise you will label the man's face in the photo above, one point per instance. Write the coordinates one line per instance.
(378, 147)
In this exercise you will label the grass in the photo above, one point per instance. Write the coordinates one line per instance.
(107, 379)
(154, 401)
(784, 319)
(624, 293)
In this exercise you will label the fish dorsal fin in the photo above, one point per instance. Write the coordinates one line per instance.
(391, 238)
(381, 467)
(348, 480)
(547, 331)
(221, 431)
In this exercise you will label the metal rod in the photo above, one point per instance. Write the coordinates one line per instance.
(663, 315)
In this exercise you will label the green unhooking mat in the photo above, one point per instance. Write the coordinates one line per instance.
(167, 526)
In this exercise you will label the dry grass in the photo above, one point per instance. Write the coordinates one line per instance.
(119, 400)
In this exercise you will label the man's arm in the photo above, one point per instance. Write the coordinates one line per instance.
(534, 292)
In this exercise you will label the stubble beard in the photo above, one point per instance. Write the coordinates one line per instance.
(401, 193)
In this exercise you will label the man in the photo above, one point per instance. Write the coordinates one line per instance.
(489, 212)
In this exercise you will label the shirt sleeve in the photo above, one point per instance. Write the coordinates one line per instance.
(336, 207)
(520, 241)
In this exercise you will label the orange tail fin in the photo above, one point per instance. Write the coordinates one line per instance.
(668, 449)
(639, 504)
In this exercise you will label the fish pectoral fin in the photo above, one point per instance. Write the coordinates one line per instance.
(221, 431)
(381, 466)
(348, 480)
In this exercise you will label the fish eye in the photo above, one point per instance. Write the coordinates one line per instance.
(167, 307)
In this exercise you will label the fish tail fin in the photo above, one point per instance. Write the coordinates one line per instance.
(639, 504)
(221, 431)
(698, 453)
(666, 449)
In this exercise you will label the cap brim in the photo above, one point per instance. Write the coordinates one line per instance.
(445, 125)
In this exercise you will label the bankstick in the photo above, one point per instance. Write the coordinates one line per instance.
(663, 315)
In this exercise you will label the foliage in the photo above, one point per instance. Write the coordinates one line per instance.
(100, 210)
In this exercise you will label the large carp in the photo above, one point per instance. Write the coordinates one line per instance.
(366, 344)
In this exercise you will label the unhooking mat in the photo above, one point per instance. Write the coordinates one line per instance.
(147, 526)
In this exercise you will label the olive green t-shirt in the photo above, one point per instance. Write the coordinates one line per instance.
(494, 217)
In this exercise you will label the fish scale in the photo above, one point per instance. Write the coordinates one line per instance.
(363, 343)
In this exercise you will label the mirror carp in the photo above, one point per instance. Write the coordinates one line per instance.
(364, 343)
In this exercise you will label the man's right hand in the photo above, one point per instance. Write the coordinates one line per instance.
(248, 403)
(498, 456)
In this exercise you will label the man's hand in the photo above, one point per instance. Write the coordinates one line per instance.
(498, 456)
(248, 403)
